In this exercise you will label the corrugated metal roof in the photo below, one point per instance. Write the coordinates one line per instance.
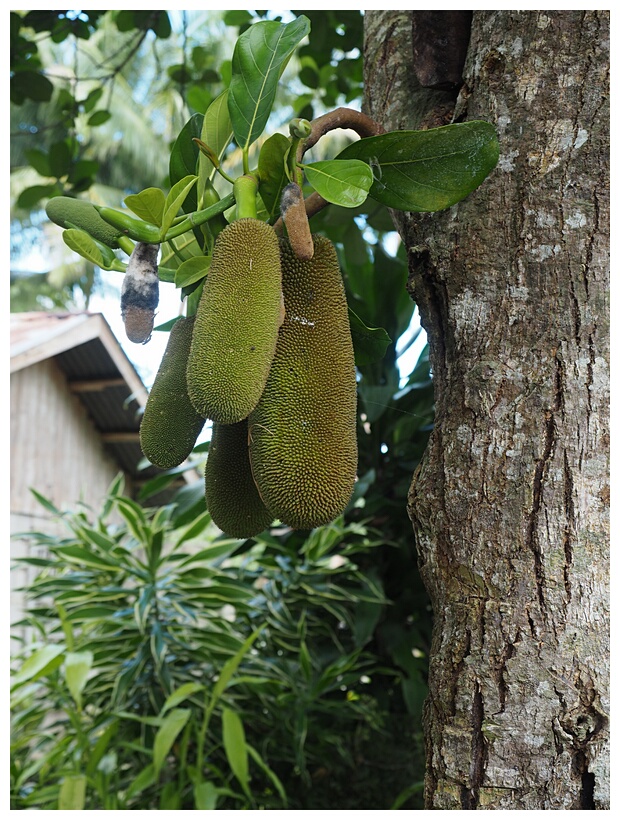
(98, 372)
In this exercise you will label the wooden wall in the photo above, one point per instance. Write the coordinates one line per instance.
(55, 449)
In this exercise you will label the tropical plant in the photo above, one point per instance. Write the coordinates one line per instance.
(172, 667)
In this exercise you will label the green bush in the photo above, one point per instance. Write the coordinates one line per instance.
(174, 668)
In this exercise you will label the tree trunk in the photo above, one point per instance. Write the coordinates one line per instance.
(510, 506)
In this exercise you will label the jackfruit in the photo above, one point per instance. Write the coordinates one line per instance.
(303, 444)
(140, 293)
(230, 493)
(236, 322)
(69, 213)
(170, 425)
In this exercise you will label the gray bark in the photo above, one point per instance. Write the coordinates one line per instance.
(510, 506)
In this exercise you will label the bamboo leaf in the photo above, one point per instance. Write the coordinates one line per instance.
(261, 54)
(72, 793)
(77, 668)
(181, 694)
(40, 662)
(233, 736)
(205, 796)
(167, 734)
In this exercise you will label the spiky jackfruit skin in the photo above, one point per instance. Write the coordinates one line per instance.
(230, 493)
(236, 322)
(303, 445)
(67, 212)
(170, 425)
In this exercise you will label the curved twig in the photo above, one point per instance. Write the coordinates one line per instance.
(347, 118)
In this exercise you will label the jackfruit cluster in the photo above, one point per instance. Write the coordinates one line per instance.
(237, 322)
(271, 363)
(170, 424)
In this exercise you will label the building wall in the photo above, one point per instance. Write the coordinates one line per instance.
(55, 449)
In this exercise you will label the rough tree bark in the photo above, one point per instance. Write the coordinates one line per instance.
(510, 506)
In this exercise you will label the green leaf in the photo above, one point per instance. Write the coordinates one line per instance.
(99, 117)
(192, 270)
(72, 793)
(205, 796)
(182, 693)
(217, 133)
(82, 556)
(60, 158)
(269, 772)
(39, 663)
(88, 248)
(233, 737)
(145, 779)
(167, 734)
(184, 156)
(428, 170)
(148, 205)
(39, 161)
(175, 199)
(195, 529)
(369, 343)
(261, 54)
(342, 182)
(77, 667)
(272, 172)
(30, 85)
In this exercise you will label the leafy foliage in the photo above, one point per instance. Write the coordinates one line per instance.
(174, 668)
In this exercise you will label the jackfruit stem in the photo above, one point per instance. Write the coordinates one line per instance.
(245, 189)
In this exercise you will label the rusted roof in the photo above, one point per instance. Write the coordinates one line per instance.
(98, 372)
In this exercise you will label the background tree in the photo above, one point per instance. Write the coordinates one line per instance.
(510, 506)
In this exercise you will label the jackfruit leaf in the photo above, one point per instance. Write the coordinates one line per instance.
(148, 205)
(181, 694)
(184, 157)
(217, 133)
(260, 56)
(342, 182)
(428, 170)
(233, 736)
(39, 663)
(369, 343)
(271, 169)
(77, 667)
(88, 248)
(167, 734)
(175, 199)
(72, 794)
(192, 270)
(205, 796)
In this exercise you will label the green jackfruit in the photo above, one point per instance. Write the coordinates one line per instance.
(77, 213)
(303, 444)
(170, 425)
(236, 322)
(230, 493)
